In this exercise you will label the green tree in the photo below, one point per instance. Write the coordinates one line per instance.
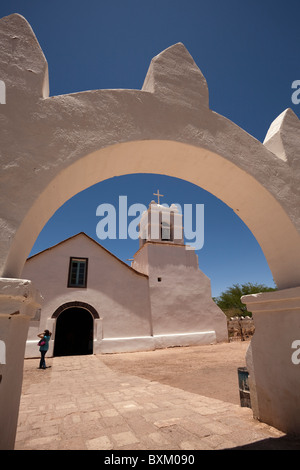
(230, 300)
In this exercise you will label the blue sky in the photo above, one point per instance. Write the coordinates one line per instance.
(248, 53)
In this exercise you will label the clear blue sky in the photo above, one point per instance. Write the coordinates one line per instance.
(248, 53)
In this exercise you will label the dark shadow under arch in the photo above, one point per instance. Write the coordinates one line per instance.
(74, 329)
(76, 303)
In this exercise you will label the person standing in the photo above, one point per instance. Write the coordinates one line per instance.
(44, 346)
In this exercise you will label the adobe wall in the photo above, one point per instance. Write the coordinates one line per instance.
(240, 328)
(119, 295)
(180, 293)
(54, 147)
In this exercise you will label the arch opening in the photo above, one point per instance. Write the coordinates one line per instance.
(254, 204)
(73, 332)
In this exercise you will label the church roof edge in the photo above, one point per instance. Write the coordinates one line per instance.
(92, 240)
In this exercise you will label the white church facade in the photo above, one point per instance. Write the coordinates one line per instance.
(96, 303)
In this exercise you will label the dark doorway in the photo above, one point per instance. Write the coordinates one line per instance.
(74, 332)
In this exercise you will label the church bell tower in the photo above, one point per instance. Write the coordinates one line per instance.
(161, 224)
(161, 241)
(182, 310)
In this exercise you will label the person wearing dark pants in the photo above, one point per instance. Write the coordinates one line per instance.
(44, 346)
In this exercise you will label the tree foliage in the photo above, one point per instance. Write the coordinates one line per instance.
(230, 300)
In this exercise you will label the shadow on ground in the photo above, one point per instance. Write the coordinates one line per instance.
(208, 370)
(279, 443)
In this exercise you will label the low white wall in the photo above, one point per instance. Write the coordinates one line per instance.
(149, 343)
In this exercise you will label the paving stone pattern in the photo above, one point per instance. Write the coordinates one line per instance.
(81, 404)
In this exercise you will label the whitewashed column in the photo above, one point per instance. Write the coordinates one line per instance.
(18, 303)
(273, 358)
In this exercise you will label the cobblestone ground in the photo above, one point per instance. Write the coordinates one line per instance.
(82, 403)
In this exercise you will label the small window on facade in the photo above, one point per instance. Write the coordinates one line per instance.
(78, 272)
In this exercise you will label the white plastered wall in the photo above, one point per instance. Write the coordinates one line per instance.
(54, 147)
(118, 293)
(180, 294)
(167, 128)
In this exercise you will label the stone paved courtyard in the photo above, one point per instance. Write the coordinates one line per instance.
(82, 402)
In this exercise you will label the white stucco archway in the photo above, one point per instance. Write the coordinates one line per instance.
(54, 147)
(260, 211)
